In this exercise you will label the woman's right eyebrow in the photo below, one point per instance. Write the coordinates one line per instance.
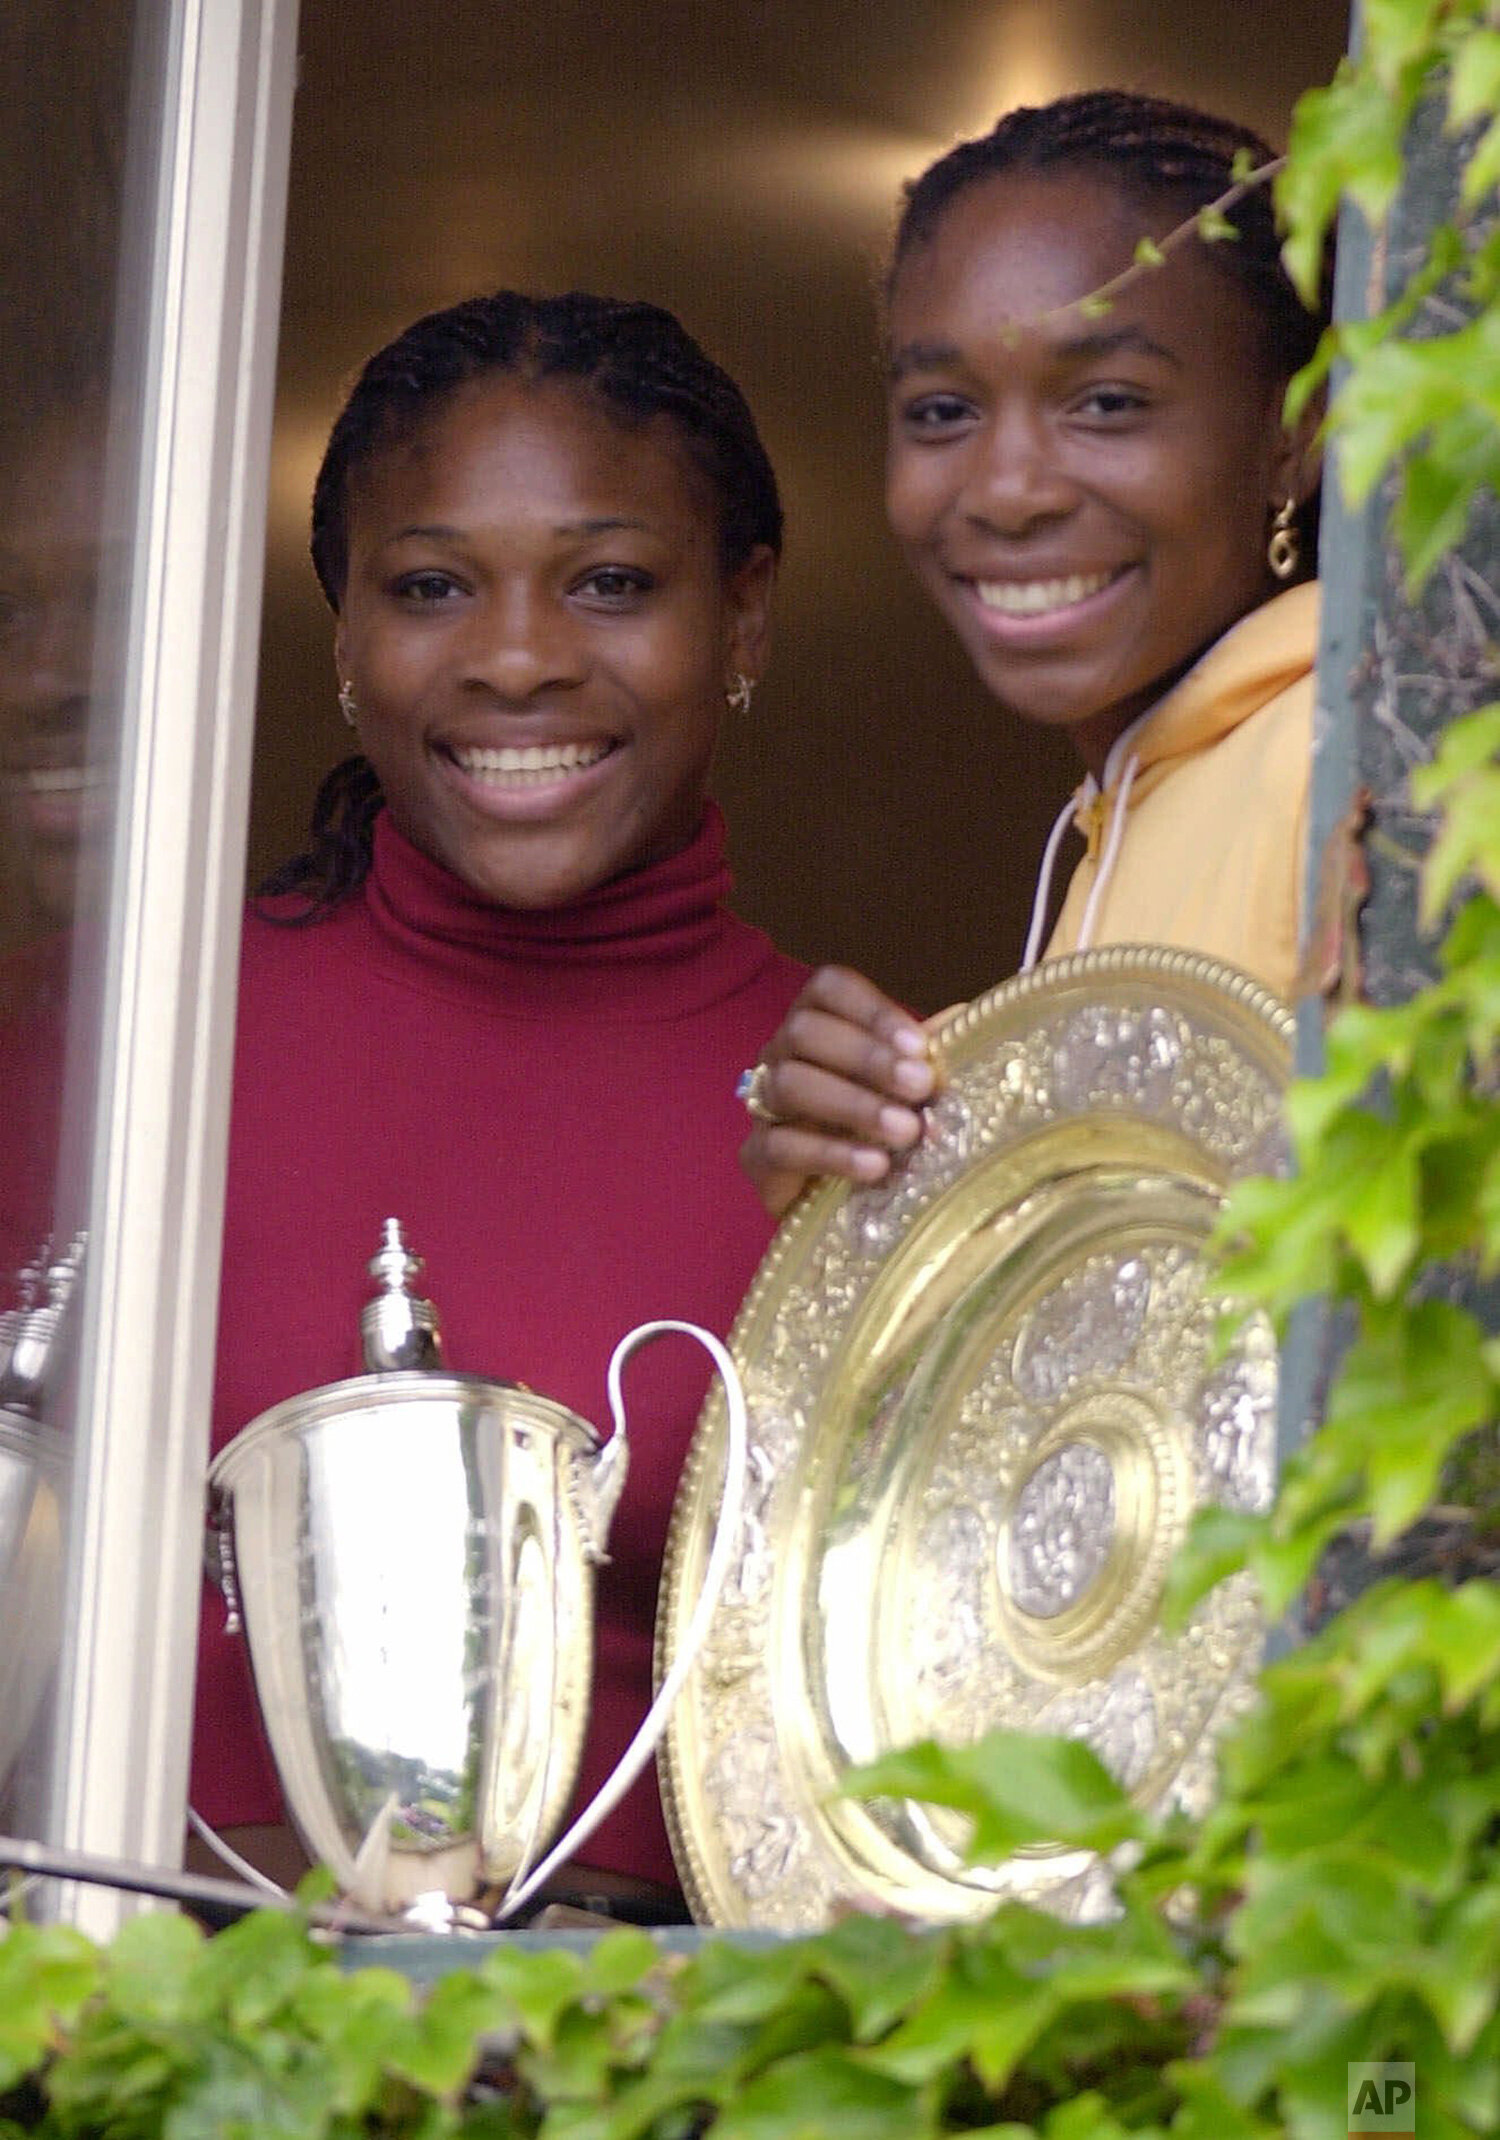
(603, 524)
(1090, 348)
(1113, 342)
(600, 524)
(426, 533)
(921, 357)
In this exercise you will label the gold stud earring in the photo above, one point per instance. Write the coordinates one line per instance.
(737, 697)
(347, 704)
(1284, 551)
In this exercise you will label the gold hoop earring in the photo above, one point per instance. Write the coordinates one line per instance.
(1284, 551)
(347, 704)
(737, 697)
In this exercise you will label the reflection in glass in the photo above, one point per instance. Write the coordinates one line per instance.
(53, 792)
(65, 423)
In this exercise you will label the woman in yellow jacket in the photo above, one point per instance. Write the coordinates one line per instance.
(1088, 470)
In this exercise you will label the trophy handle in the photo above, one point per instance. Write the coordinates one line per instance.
(597, 1476)
(726, 1535)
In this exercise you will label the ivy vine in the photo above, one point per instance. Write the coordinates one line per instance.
(1342, 1902)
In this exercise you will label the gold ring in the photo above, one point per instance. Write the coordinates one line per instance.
(750, 1088)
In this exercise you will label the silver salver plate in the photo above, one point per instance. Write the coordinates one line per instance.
(985, 1401)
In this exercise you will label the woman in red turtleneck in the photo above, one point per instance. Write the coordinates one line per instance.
(548, 531)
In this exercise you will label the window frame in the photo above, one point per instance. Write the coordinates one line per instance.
(199, 296)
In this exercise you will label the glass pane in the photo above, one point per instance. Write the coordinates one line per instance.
(142, 196)
(68, 421)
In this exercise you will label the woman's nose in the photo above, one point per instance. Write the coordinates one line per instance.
(518, 644)
(46, 652)
(1014, 477)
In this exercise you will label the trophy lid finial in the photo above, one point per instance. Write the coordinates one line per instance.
(399, 1329)
(31, 1336)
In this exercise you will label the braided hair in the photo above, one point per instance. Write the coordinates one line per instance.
(636, 359)
(1156, 151)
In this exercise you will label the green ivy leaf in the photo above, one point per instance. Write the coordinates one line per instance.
(1214, 227)
(436, 2050)
(826, 2094)
(1018, 1790)
(1482, 270)
(1474, 77)
(318, 1884)
(119, 2070)
(47, 1972)
(154, 1970)
(254, 1967)
(1407, 1393)
(1325, 1800)
(536, 1986)
(1337, 1918)
(354, 2018)
(588, 2051)
(1466, 747)
(1283, 1565)
(1217, 1545)
(1461, 460)
(1311, 379)
(1345, 140)
(1275, 1241)
(880, 1969)
(1466, 842)
(1460, 1977)
(1464, 1640)
(1487, 1212)
(985, 2010)
(1398, 35)
(1395, 396)
(1482, 171)
(725, 1982)
(1087, 2117)
(812, 2015)
(1380, 1208)
(232, 2094)
(1470, 955)
(619, 1961)
(1209, 2112)
(691, 2072)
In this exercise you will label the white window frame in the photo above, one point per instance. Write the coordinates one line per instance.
(212, 270)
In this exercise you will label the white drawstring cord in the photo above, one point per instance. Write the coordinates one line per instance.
(1109, 857)
(1065, 816)
(726, 1539)
(1121, 783)
(15, 1892)
(249, 1873)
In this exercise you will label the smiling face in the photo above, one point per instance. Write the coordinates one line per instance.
(1087, 499)
(539, 631)
(53, 780)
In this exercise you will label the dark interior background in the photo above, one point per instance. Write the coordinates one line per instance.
(738, 162)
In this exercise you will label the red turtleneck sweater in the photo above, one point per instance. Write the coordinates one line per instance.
(547, 1102)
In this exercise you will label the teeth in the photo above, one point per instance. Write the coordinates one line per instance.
(1033, 598)
(532, 764)
(60, 779)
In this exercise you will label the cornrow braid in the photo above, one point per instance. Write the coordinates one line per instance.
(636, 359)
(1157, 151)
(340, 840)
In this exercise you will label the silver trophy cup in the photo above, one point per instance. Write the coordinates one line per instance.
(411, 1553)
(33, 1471)
(34, 1461)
